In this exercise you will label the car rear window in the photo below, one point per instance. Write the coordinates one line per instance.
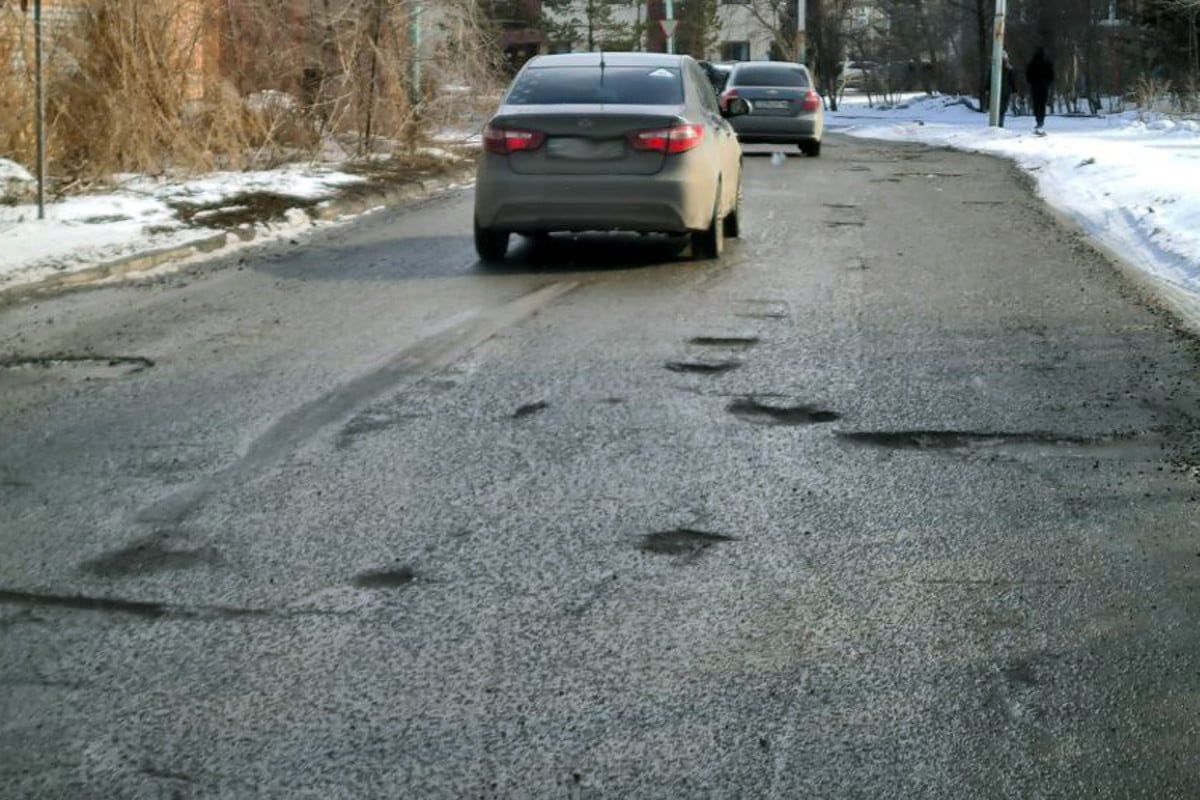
(775, 75)
(638, 86)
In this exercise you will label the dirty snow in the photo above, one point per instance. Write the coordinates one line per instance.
(139, 216)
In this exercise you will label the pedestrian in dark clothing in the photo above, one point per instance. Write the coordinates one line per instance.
(1007, 77)
(1040, 74)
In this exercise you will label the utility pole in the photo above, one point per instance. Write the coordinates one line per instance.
(801, 30)
(997, 63)
(415, 49)
(668, 26)
(40, 91)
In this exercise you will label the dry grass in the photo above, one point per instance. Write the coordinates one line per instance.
(16, 123)
(152, 86)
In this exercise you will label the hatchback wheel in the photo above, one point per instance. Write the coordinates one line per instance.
(489, 244)
(811, 148)
(708, 243)
(733, 222)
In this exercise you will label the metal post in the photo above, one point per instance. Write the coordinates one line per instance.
(671, 18)
(415, 32)
(997, 64)
(801, 7)
(41, 108)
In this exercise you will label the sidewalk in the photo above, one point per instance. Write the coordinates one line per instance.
(145, 223)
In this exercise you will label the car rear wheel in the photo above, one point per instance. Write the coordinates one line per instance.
(812, 149)
(489, 244)
(708, 243)
(733, 222)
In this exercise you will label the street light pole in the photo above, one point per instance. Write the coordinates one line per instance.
(670, 26)
(40, 92)
(414, 29)
(801, 8)
(997, 82)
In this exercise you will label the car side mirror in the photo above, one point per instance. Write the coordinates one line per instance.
(736, 107)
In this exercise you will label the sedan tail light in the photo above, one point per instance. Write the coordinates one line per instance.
(511, 140)
(677, 139)
(728, 95)
(811, 102)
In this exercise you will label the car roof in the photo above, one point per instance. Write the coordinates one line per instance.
(786, 64)
(610, 60)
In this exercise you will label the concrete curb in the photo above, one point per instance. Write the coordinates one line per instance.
(357, 202)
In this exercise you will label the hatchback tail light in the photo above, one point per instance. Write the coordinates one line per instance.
(677, 139)
(511, 140)
(811, 102)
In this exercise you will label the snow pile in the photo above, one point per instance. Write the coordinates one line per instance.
(12, 171)
(15, 180)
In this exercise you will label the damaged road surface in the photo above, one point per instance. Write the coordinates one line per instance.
(853, 512)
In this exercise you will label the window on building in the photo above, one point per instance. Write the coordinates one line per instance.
(735, 51)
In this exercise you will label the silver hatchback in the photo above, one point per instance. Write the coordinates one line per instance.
(786, 106)
(609, 141)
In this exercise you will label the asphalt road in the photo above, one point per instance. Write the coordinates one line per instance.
(899, 499)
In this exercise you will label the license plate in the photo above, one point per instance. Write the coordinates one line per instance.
(577, 148)
(770, 104)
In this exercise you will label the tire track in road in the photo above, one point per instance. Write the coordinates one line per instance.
(451, 341)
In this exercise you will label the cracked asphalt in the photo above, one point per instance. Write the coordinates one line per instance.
(899, 499)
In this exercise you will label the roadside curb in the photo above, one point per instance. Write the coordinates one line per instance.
(355, 201)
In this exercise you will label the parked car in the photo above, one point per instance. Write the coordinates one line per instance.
(786, 108)
(610, 141)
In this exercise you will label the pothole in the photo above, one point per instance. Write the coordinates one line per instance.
(368, 423)
(681, 542)
(149, 556)
(530, 408)
(385, 578)
(75, 367)
(752, 410)
(844, 223)
(724, 341)
(703, 367)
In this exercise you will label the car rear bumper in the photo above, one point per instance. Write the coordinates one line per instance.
(668, 202)
(764, 129)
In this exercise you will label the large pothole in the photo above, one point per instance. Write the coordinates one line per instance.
(752, 410)
(685, 542)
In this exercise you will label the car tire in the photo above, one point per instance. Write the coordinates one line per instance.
(733, 222)
(710, 242)
(811, 149)
(490, 245)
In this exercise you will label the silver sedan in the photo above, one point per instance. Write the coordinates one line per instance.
(610, 141)
(786, 106)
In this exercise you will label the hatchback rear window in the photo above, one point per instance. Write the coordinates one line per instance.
(769, 76)
(638, 86)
